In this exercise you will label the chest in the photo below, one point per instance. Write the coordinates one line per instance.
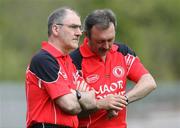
(67, 71)
(105, 77)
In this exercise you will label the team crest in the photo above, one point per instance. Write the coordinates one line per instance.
(118, 71)
(92, 78)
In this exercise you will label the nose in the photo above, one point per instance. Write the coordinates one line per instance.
(78, 32)
(106, 45)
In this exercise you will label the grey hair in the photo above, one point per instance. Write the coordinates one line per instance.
(57, 16)
(100, 17)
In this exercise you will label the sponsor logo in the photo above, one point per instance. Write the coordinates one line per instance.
(92, 78)
(113, 88)
(118, 71)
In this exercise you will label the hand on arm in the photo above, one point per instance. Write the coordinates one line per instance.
(115, 102)
(112, 103)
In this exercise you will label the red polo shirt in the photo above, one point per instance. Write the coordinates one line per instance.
(49, 76)
(109, 77)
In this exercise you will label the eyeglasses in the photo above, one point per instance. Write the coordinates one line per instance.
(72, 26)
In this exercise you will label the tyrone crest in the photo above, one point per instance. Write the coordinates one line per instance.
(118, 71)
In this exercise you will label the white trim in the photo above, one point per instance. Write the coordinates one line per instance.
(39, 83)
(129, 59)
(43, 125)
(55, 115)
(89, 121)
(43, 80)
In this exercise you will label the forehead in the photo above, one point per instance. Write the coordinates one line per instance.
(103, 34)
(71, 18)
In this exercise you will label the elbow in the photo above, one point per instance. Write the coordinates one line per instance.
(150, 81)
(153, 85)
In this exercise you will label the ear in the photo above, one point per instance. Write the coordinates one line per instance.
(55, 30)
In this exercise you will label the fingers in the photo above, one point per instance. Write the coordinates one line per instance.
(117, 108)
(112, 113)
(120, 100)
(116, 102)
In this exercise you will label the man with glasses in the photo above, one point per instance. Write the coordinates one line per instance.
(106, 66)
(52, 79)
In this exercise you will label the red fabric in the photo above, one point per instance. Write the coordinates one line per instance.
(108, 78)
(40, 94)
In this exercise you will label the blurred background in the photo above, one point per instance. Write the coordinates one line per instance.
(150, 27)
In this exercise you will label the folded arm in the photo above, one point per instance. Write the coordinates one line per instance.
(69, 104)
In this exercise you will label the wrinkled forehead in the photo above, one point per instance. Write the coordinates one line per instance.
(103, 33)
(72, 18)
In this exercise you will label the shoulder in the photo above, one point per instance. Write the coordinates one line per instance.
(45, 66)
(124, 49)
(42, 58)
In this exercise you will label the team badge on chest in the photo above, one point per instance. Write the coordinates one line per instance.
(118, 71)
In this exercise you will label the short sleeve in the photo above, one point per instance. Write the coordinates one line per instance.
(136, 70)
(47, 69)
(45, 66)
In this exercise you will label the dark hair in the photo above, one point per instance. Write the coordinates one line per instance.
(57, 16)
(102, 18)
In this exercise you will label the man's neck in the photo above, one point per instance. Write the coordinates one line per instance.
(57, 45)
(103, 58)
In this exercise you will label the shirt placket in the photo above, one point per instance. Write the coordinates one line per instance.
(67, 70)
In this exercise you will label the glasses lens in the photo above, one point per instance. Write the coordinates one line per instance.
(73, 26)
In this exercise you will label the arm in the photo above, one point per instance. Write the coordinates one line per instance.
(115, 102)
(111, 102)
(47, 69)
(69, 104)
(88, 100)
(144, 86)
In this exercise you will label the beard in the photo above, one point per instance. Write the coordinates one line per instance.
(102, 51)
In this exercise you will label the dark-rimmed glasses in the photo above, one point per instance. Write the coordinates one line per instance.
(72, 26)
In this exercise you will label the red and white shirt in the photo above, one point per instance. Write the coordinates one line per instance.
(108, 77)
(49, 76)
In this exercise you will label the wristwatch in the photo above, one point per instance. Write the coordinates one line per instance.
(127, 99)
(78, 94)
